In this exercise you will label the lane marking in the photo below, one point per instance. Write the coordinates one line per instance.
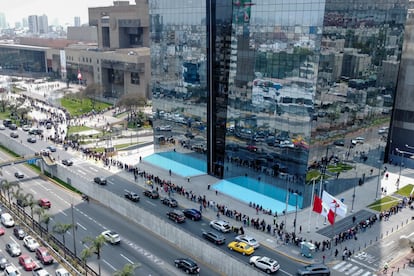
(127, 259)
(63, 213)
(364, 265)
(82, 172)
(93, 169)
(111, 266)
(149, 202)
(81, 226)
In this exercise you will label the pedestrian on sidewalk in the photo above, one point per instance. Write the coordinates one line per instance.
(336, 252)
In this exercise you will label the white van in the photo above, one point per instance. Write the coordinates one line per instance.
(7, 220)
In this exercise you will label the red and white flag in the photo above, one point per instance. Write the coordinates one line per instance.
(317, 204)
(334, 204)
(79, 75)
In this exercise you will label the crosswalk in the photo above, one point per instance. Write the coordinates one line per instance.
(352, 269)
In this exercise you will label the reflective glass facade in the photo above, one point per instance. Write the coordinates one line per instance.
(277, 90)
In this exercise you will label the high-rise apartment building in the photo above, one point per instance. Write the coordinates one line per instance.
(43, 24)
(33, 21)
(277, 91)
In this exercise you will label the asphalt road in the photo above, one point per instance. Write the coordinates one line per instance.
(138, 245)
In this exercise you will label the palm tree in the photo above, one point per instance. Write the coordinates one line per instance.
(8, 187)
(127, 270)
(61, 229)
(46, 218)
(85, 255)
(95, 245)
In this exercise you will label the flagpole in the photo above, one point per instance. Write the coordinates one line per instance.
(333, 228)
(320, 195)
(312, 202)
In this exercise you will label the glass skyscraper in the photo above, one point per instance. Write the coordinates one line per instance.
(286, 92)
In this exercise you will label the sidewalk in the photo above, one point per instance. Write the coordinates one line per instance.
(309, 222)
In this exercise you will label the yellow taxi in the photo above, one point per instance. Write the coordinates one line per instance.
(241, 247)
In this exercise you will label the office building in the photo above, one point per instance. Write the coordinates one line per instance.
(277, 91)
(43, 24)
(33, 22)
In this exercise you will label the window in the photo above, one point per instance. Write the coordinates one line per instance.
(135, 78)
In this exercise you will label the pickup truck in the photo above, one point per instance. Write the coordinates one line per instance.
(131, 196)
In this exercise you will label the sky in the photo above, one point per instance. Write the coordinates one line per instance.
(61, 10)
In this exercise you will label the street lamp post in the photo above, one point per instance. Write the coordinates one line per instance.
(378, 180)
(400, 153)
(296, 213)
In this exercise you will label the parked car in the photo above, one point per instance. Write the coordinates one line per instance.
(30, 243)
(151, 194)
(43, 255)
(31, 140)
(2, 231)
(62, 272)
(176, 216)
(19, 232)
(27, 262)
(14, 135)
(241, 247)
(26, 128)
(188, 265)
(2, 127)
(266, 264)
(220, 225)
(13, 249)
(39, 271)
(314, 269)
(131, 196)
(249, 240)
(100, 180)
(3, 261)
(44, 203)
(7, 220)
(51, 148)
(339, 143)
(214, 237)
(169, 201)
(13, 126)
(192, 214)
(111, 236)
(11, 270)
(67, 162)
(22, 202)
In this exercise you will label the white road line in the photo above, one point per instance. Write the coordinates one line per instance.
(81, 226)
(287, 273)
(345, 267)
(339, 265)
(33, 191)
(82, 172)
(358, 272)
(149, 202)
(364, 265)
(388, 244)
(93, 169)
(351, 270)
(366, 273)
(127, 259)
(63, 213)
(111, 266)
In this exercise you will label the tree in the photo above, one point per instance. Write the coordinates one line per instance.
(8, 188)
(92, 91)
(133, 102)
(127, 270)
(95, 245)
(61, 229)
(85, 255)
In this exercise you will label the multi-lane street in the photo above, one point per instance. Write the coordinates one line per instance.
(138, 245)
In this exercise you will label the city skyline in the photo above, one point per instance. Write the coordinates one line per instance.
(63, 13)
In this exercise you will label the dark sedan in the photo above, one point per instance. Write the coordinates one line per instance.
(188, 265)
(214, 237)
(169, 201)
(67, 162)
(192, 214)
(151, 194)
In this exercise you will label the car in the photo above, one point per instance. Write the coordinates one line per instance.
(151, 194)
(44, 203)
(241, 247)
(39, 271)
(13, 249)
(27, 262)
(30, 243)
(249, 240)
(176, 216)
(22, 202)
(339, 143)
(14, 135)
(214, 237)
(2, 127)
(62, 272)
(357, 140)
(99, 180)
(19, 175)
(11, 270)
(169, 201)
(13, 126)
(131, 196)
(43, 255)
(252, 148)
(188, 265)
(2, 231)
(164, 128)
(26, 128)
(314, 269)
(111, 236)
(3, 261)
(67, 162)
(51, 148)
(266, 264)
(7, 220)
(383, 130)
(19, 232)
(220, 225)
(192, 214)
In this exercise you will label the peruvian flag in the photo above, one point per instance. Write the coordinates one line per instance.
(334, 204)
(317, 204)
(79, 75)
